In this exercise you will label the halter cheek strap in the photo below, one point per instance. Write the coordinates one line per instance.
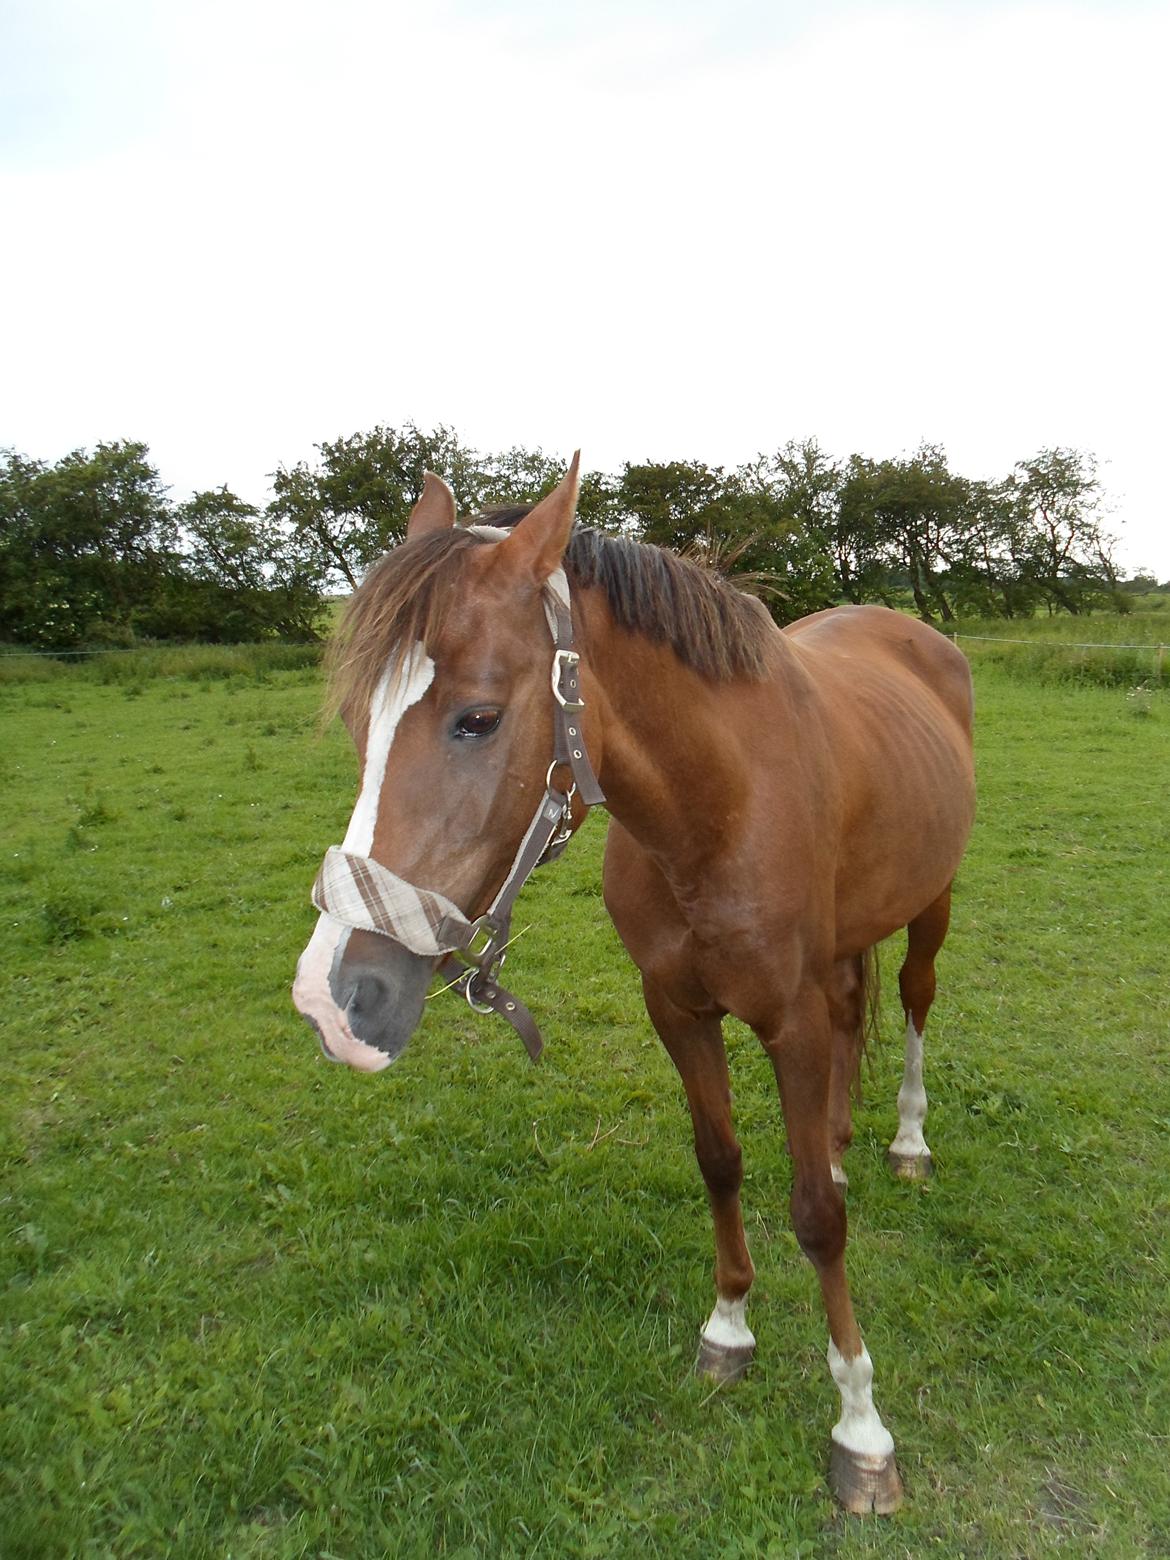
(362, 893)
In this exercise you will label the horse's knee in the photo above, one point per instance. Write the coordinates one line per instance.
(818, 1219)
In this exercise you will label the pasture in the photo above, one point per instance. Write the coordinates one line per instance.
(255, 1305)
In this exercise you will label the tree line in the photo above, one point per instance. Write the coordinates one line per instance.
(93, 551)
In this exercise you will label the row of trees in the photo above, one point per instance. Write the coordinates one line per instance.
(822, 530)
(93, 550)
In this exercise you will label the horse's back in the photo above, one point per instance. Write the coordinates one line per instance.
(863, 645)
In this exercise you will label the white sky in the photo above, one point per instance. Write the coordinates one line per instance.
(656, 229)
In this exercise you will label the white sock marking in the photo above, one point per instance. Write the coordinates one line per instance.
(910, 1142)
(726, 1326)
(859, 1428)
(312, 993)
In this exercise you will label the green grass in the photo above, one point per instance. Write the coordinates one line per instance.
(254, 1305)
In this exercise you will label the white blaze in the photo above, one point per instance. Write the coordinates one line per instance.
(859, 1428)
(910, 1143)
(392, 698)
(311, 991)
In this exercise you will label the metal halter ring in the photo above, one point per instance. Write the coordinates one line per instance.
(570, 793)
(476, 1007)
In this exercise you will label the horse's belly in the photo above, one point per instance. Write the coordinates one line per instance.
(902, 850)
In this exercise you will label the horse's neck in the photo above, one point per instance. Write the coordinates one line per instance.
(676, 746)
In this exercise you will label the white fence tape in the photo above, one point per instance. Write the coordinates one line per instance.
(1052, 644)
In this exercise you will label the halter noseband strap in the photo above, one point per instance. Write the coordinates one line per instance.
(364, 894)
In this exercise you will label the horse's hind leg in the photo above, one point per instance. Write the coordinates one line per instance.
(909, 1156)
(694, 1042)
(846, 993)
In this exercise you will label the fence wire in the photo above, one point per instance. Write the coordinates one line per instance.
(1052, 644)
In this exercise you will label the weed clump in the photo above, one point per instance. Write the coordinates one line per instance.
(94, 812)
(66, 919)
(1140, 700)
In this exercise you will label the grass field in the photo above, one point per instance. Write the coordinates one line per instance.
(254, 1305)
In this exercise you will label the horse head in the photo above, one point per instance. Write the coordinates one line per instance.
(443, 679)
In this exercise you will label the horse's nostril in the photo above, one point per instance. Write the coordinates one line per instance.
(368, 996)
(376, 1004)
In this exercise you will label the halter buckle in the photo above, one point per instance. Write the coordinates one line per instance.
(565, 670)
(483, 926)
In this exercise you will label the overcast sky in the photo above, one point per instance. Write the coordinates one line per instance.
(656, 229)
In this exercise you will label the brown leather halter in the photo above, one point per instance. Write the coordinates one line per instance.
(361, 892)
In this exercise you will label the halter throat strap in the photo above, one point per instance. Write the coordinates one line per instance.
(362, 893)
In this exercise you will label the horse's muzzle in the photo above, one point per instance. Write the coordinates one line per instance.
(382, 997)
(362, 993)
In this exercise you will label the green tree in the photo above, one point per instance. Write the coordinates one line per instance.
(514, 476)
(677, 503)
(238, 575)
(903, 517)
(748, 524)
(354, 503)
(988, 575)
(81, 543)
(521, 476)
(795, 496)
(860, 554)
(1066, 553)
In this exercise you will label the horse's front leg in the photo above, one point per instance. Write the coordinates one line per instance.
(863, 1472)
(695, 1044)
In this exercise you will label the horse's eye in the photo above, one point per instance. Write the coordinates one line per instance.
(477, 723)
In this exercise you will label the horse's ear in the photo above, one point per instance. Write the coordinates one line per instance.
(538, 541)
(435, 510)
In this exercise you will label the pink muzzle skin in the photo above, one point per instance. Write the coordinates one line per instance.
(312, 995)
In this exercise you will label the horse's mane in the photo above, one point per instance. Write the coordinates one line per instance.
(404, 599)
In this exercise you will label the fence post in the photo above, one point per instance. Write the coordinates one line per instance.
(1161, 658)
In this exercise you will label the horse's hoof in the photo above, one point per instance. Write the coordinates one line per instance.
(863, 1483)
(911, 1167)
(722, 1363)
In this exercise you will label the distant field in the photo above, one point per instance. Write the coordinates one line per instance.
(179, 662)
(254, 1305)
(1103, 649)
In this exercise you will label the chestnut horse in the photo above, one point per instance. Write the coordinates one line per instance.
(781, 801)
